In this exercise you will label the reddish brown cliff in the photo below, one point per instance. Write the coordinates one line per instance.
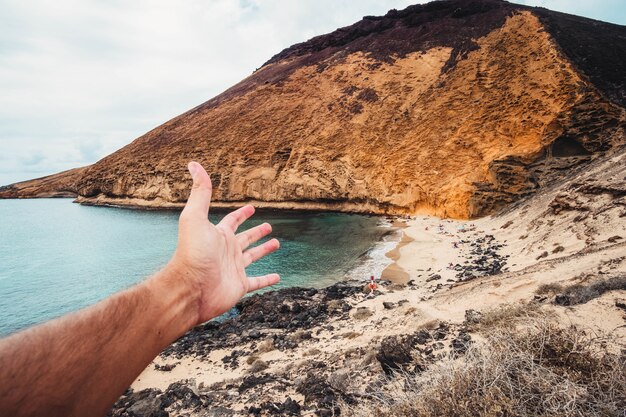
(453, 108)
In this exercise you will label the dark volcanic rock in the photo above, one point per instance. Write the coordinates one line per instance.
(317, 390)
(484, 259)
(461, 343)
(145, 403)
(416, 28)
(181, 396)
(254, 380)
(164, 368)
(398, 353)
(472, 316)
(288, 309)
(287, 408)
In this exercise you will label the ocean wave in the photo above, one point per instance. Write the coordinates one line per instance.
(375, 260)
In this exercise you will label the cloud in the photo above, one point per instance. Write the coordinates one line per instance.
(82, 78)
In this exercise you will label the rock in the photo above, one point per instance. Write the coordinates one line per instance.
(620, 304)
(388, 305)
(558, 249)
(507, 224)
(165, 368)
(461, 343)
(219, 412)
(324, 412)
(287, 408)
(146, 403)
(317, 390)
(544, 254)
(473, 316)
(442, 331)
(433, 277)
(395, 353)
(614, 239)
(182, 395)
(422, 337)
(254, 381)
(290, 407)
(290, 309)
(278, 168)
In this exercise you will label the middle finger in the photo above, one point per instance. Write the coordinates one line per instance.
(250, 236)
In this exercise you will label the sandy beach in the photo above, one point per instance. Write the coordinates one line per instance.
(283, 346)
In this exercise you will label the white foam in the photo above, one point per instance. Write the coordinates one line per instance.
(375, 260)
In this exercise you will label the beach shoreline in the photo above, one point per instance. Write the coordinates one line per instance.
(306, 349)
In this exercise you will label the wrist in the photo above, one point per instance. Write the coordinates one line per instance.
(176, 302)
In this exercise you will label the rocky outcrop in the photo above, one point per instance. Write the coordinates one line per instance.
(63, 184)
(454, 108)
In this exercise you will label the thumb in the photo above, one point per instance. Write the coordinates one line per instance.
(201, 190)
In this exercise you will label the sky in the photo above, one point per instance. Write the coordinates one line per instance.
(80, 79)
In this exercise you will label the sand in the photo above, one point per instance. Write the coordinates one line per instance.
(542, 244)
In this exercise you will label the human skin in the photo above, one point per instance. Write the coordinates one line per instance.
(80, 364)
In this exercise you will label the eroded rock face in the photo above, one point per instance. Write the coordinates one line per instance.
(453, 108)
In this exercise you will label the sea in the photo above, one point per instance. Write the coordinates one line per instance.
(57, 256)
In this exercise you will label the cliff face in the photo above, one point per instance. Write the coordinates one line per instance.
(454, 108)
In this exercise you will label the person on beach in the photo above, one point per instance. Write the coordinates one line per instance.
(372, 285)
(80, 364)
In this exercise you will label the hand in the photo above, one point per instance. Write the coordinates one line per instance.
(212, 258)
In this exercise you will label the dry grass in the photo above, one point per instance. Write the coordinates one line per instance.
(362, 313)
(580, 294)
(540, 370)
(549, 289)
(266, 346)
(251, 359)
(508, 315)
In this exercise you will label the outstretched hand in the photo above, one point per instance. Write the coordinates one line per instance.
(212, 258)
(81, 363)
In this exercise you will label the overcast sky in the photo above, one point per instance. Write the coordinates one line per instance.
(81, 78)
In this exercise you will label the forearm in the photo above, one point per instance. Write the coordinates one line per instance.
(56, 361)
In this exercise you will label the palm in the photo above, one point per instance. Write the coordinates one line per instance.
(214, 257)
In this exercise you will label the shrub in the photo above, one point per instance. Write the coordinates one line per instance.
(581, 294)
(541, 370)
(507, 315)
(549, 289)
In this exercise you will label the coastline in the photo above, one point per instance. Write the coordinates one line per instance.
(427, 248)
(309, 348)
(351, 207)
(374, 261)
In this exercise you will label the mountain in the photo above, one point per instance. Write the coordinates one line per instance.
(453, 108)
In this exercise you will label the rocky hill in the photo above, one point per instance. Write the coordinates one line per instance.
(454, 108)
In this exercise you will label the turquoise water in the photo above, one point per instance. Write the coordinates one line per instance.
(57, 257)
